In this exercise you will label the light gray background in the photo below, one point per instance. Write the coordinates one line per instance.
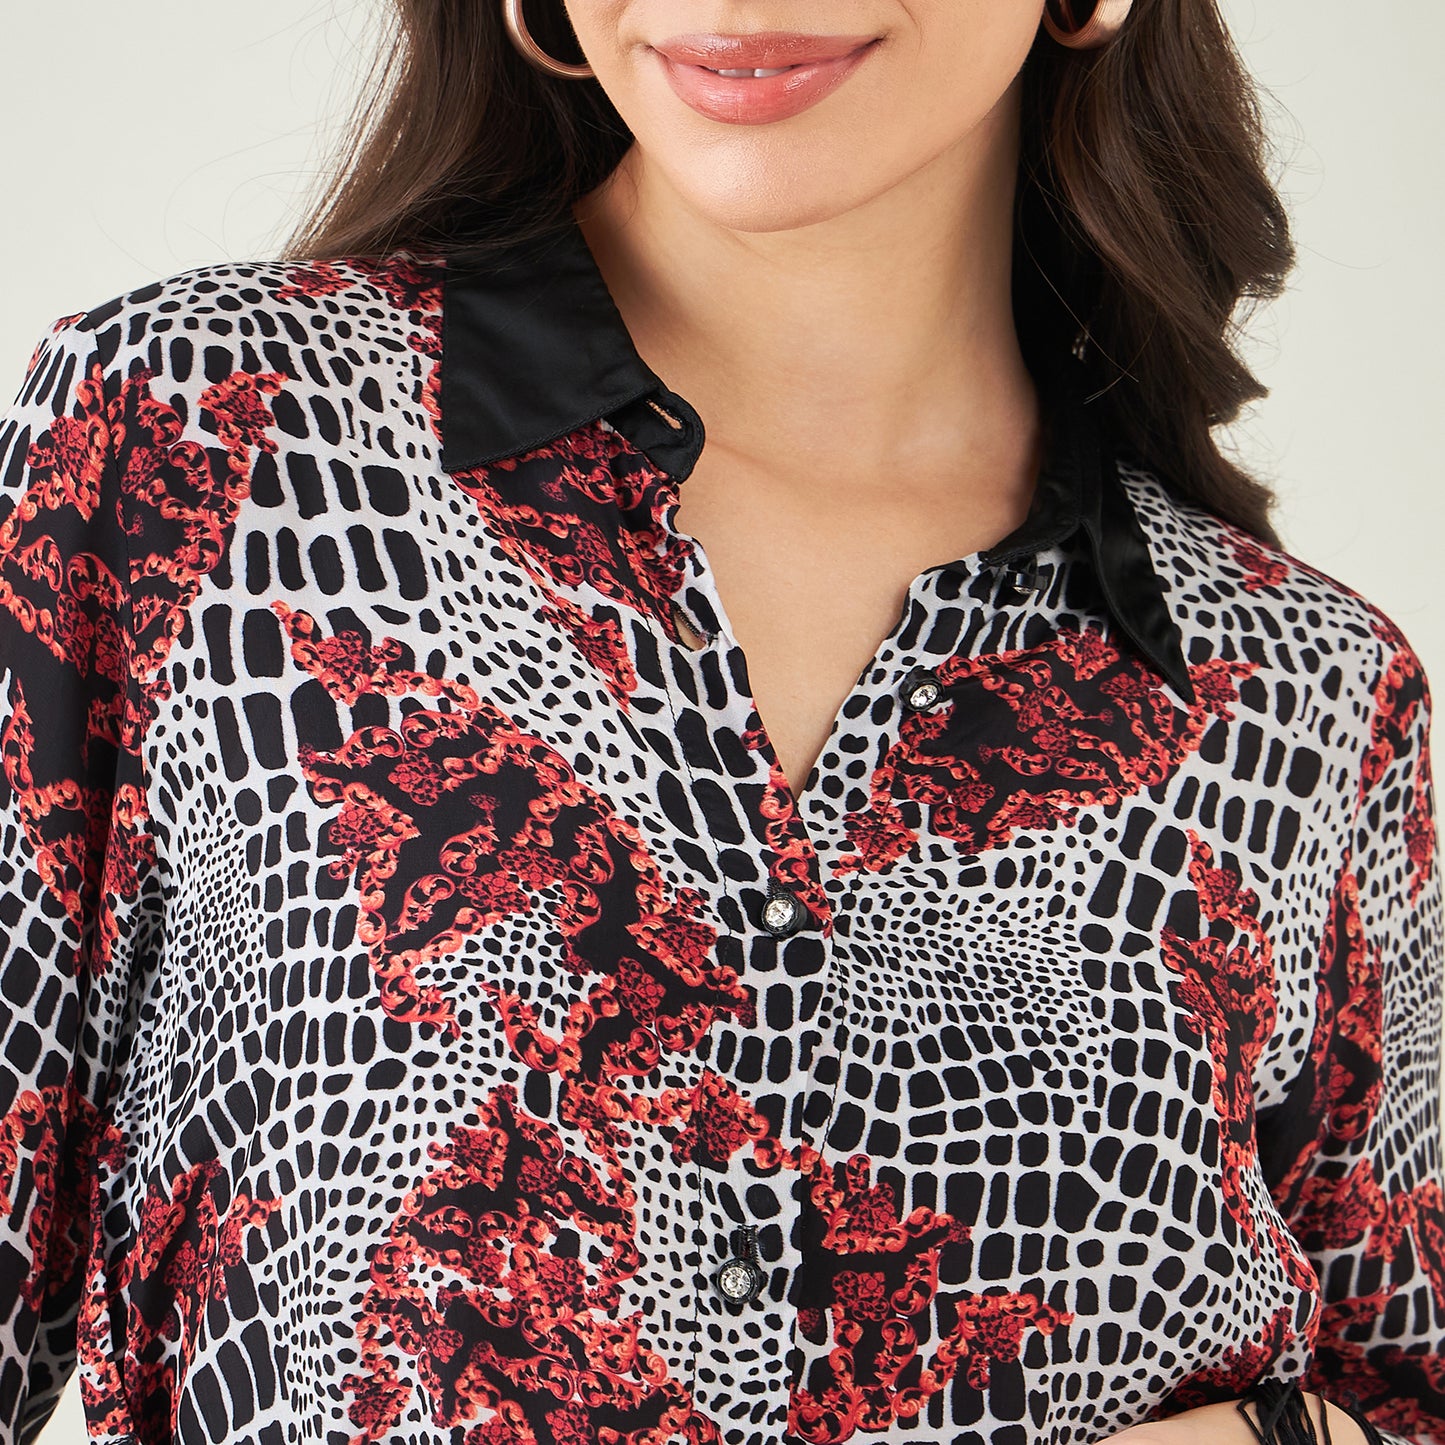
(144, 138)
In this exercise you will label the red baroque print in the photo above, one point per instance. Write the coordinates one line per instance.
(587, 512)
(598, 639)
(109, 622)
(48, 1128)
(1333, 1211)
(1227, 983)
(1343, 1071)
(319, 278)
(1262, 568)
(1337, 1213)
(720, 1122)
(179, 1261)
(1401, 695)
(1420, 828)
(188, 496)
(91, 847)
(1373, 1375)
(864, 1286)
(454, 820)
(71, 603)
(527, 1335)
(1236, 1369)
(1094, 727)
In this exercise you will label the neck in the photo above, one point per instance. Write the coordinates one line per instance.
(878, 337)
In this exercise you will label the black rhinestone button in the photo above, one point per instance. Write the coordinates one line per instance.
(783, 912)
(921, 689)
(741, 1278)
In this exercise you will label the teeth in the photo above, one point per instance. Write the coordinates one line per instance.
(748, 74)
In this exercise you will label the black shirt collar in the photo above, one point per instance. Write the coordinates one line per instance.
(534, 347)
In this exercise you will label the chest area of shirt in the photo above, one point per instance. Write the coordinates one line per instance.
(551, 713)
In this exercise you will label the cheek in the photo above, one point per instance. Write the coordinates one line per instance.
(599, 26)
(945, 76)
(975, 48)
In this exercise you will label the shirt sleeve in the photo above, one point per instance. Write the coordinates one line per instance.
(76, 903)
(1352, 1155)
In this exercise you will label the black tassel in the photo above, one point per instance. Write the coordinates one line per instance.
(1283, 1416)
(1351, 1407)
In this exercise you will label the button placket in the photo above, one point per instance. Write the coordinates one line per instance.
(740, 1279)
(737, 1285)
(736, 1248)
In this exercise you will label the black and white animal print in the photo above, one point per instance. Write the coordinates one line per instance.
(418, 979)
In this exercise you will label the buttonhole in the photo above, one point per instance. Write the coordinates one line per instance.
(667, 416)
(690, 636)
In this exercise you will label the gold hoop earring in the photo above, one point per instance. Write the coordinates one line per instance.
(1098, 30)
(533, 53)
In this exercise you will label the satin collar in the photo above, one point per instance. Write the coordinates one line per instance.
(534, 347)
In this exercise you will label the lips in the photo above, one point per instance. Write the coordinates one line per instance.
(764, 50)
(799, 71)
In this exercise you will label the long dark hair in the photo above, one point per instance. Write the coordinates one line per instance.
(1146, 214)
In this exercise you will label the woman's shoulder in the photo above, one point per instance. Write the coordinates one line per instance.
(1307, 636)
(254, 314)
(169, 404)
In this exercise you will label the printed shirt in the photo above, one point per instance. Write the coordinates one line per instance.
(427, 1015)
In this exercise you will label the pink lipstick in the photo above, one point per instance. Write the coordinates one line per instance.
(798, 71)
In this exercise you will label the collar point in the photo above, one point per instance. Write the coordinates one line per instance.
(1182, 683)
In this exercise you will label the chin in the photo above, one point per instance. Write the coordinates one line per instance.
(781, 196)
